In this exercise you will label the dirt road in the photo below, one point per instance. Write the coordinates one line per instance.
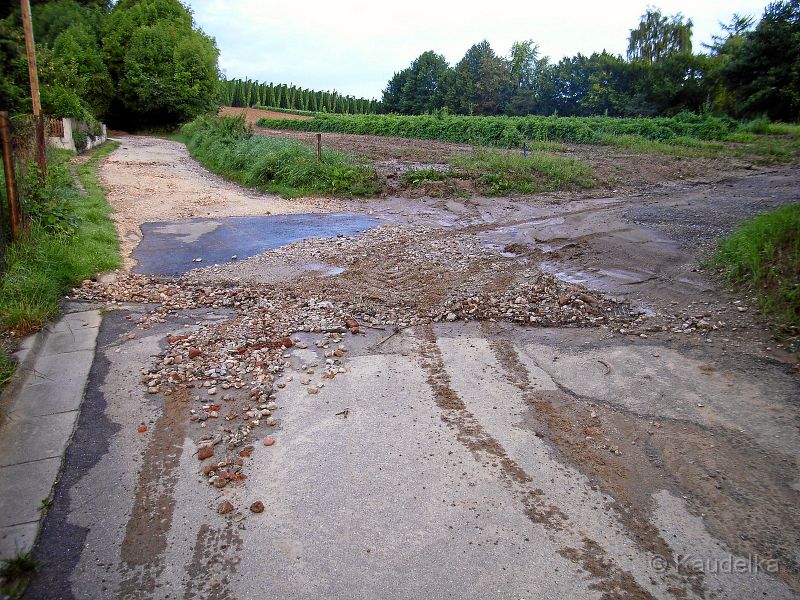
(543, 398)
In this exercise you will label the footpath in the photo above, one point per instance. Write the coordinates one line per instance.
(41, 408)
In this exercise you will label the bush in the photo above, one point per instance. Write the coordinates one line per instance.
(50, 205)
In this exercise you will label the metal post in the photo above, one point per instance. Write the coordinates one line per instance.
(11, 179)
(319, 147)
(30, 48)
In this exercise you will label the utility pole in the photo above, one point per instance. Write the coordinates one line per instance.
(30, 47)
(11, 179)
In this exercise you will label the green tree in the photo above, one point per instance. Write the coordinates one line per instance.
(763, 73)
(423, 90)
(165, 68)
(481, 82)
(722, 49)
(393, 94)
(658, 36)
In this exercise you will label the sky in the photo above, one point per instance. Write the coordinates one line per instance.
(355, 46)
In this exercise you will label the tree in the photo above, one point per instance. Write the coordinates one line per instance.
(763, 73)
(423, 87)
(481, 82)
(165, 68)
(658, 36)
(531, 81)
(393, 94)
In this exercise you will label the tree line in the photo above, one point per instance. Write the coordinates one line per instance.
(752, 69)
(136, 63)
(249, 93)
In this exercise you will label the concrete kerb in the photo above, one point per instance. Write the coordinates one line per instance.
(21, 504)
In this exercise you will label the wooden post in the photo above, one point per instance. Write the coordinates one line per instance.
(11, 179)
(30, 47)
(319, 147)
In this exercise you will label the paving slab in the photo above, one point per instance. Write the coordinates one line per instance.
(59, 342)
(17, 538)
(49, 398)
(25, 486)
(41, 407)
(77, 320)
(35, 438)
(64, 367)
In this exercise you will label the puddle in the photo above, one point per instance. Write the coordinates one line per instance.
(169, 247)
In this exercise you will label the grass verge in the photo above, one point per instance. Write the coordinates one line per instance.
(504, 172)
(227, 146)
(763, 254)
(69, 238)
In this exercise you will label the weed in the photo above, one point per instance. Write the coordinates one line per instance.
(8, 367)
(15, 573)
(46, 262)
(763, 254)
(504, 172)
(414, 177)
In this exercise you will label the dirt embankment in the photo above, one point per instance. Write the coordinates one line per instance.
(251, 115)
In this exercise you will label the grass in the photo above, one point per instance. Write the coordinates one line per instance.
(763, 255)
(16, 573)
(7, 370)
(48, 260)
(226, 146)
(504, 172)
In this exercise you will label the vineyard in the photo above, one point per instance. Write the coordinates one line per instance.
(509, 132)
(246, 93)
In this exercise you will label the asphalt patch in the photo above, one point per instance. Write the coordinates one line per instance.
(171, 247)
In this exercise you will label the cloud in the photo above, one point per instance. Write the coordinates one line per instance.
(356, 46)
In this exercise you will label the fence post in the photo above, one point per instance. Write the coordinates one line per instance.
(319, 147)
(11, 178)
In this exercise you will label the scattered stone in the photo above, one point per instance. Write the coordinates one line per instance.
(268, 441)
(142, 428)
(225, 507)
(257, 507)
(205, 452)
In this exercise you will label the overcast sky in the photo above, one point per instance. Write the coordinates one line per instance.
(354, 46)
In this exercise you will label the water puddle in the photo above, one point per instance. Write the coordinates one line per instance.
(172, 247)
